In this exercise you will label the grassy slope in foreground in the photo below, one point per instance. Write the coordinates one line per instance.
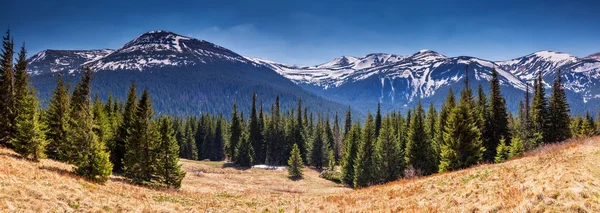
(557, 178)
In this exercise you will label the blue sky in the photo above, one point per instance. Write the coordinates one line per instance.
(313, 32)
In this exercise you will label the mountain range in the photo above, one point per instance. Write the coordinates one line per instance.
(187, 75)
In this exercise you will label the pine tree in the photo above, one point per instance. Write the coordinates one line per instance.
(351, 148)
(445, 110)
(390, 156)
(117, 150)
(317, 149)
(588, 126)
(378, 120)
(255, 135)
(430, 125)
(419, 153)
(497, 123)
(337, 139)
(365, 168)
(56, 121)
(481, 109)
(461, 146)
(7, 92)
(517, 148)
(218, 143)
(190, 150)
(244, 151)
(330, 161)
(295, 163)
(348, 122)
(140, 156)
(28, 140)
(558, 112)
(168, 169)
(84, 148)
(576, 125)
(539, 110)
(274, 136)
(299, 132)
(329, 143)
(102, 124)
(235, 132)
(502, 152)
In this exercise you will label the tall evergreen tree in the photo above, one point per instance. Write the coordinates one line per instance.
(235, 132)
(168, 169)
(390, 156)
(461, 146)
(419, 153)
(348, 122)
(274, 136)
(255, 135)
(218, 143)
(295, 163)
(299, 132)
(351, 150)
(56, 121)
(102, 124)
(430, 125)
(337, 138)
(190, 150)
(317, 149)
(140, 156)
(28, 139)
(7, 91)
(497, 123)
(558, 110)
(117, 150)
(365, 168)
(84, 149)
(445, 110)
(539, 110)
(588, 126)
(244, 153)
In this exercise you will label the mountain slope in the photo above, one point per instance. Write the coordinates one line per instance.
(185, 76)
(63, 60)
(555, 178)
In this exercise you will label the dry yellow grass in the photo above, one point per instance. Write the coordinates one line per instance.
(557, 178)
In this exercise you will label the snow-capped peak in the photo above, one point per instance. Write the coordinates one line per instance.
(555, 56)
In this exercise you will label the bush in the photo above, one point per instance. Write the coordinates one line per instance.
(332, 176)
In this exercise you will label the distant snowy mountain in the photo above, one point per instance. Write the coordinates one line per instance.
(428, 75)
(63, 60)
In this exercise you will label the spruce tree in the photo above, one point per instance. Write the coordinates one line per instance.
(56, 121)
(497, 123)
(28, 140)
(461, 146)
(390, 156)
(588, 125)
(295, 163)
(102, 124)
(190, 150)
(517, 148)
(299, 132)
(168, 169)
(84, 149)
(117, 150)
(254, 133)
(558, 112)
(244, 153)
(140, 156)
(502, 152)
(365, 168)
(337, 139)
(218, 142)
(576, 125)
(317, 149)
(430, 125)
(419, 153)
(235, 132)
(348, 122)
(350, 152)
(7, 92)
(378, 120)
(445, 110)
(539, 110)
